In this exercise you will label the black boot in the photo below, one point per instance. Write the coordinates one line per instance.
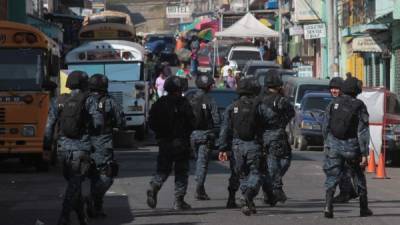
(152, 196)
(269, 198)
(328, 211)
(180, 204)
(231, 204)
(201, 193)
(248, 207)
(364, 210)
(280, 196)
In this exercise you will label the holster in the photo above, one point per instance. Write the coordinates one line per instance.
(112, 169)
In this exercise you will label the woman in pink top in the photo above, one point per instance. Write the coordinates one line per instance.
(160, 85)
(231, 80)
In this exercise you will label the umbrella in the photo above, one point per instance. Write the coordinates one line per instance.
(206, 34)
(191, 33)
(183, 55)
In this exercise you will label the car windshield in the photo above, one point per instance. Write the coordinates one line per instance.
(160, 38)
(114, 71)
(224, 98)
(305, 88)
(245, 55)
(21, 69)
(315, 103)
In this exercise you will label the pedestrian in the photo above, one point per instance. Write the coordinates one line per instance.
(194, 48)
(239, 130)
(276, 112)
(182, 72)
(159, 85)
(73, 118)
(346, 135)
(231, 80)
(171, 118)
(102, 143)
(225, 70)
(207, 118)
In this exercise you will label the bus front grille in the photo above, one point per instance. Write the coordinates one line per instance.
(2, 115)
(118, 96)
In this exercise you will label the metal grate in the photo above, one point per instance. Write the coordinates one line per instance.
(118, 96)
(2, 115)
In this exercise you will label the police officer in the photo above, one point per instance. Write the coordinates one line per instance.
(346, 134)
(111, 116)
(171, 118)
(276, 112)
(207, 117)
(239, 128)
(346, 187)
(72, 115)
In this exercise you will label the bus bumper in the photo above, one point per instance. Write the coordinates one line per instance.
(15, 146)
(135, 119)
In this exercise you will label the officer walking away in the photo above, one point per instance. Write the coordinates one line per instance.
(346, 133)
(239, 128)
(171, 118)
(111, 116)
(206, 114)
(276, 112)
(72, 116)
(346, 186)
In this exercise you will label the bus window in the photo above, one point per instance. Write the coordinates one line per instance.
(21, 69)
(123, 72)
(89, 69)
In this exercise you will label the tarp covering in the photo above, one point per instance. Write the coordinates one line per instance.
(248, 26)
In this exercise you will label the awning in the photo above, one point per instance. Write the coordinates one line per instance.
(362, 29)
(368, 44)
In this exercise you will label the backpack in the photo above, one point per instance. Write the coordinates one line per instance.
(73, 116)
(243, 119)
(343, 117)
(202, 112)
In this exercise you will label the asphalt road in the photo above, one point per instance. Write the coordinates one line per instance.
(28, 197)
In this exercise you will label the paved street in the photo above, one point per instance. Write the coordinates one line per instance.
(27, 196)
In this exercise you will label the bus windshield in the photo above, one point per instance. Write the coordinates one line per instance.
(21, 69)
(114, 71)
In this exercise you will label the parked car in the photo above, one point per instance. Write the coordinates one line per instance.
(252, 66)
(306, 129)
(204, 61)
(384, 121)
(296, 87)
(239, 55)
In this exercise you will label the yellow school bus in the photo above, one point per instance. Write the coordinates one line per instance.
(107, 25)
(28, 62)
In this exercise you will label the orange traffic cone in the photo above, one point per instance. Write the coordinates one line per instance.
(371, 163)
(381, 170)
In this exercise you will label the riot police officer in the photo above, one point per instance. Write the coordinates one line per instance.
(72, 116)
(276, 112)
(111, 116)
(171, 118)
(239, 128)
(346, 187)
(346, 134)
(207, 117)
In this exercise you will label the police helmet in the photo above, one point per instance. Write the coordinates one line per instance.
(173, 84)
(77, 80)
(248, 86)
(204, 81)
(273, 79)
(336, 82)
(184, 84)
(352, 86)
(98, 82)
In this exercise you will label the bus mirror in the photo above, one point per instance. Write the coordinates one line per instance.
(49, 85)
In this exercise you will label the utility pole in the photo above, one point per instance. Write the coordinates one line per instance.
(280, 43)
(333, 39)
(247, 5)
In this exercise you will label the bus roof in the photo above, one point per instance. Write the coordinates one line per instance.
(134, 48)
(8, 30)
(102, 16)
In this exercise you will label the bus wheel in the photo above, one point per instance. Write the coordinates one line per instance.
(140, 132)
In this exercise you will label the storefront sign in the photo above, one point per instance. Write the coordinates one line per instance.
(179, 12)
(314, 31)
(296, 30)
(307, 10)
(367, 44)
(305, 71)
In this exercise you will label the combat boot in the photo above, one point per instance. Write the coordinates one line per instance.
(280, 196)
(152, 195)
(231, 204)
(201, 193)
(180, 204)
(328, 211)
(364, 210)
(248, 205)
(269, 198)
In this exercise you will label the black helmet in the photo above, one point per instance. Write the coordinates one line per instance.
(77, 80)
(352, 86)
(248, 86)
(273, 79)
(336, 82)
(98, 82)
(204, 81)
(184, 84)
(173, 84)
